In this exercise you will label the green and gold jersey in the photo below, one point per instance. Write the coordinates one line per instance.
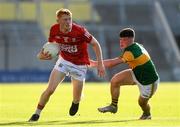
(140, 62)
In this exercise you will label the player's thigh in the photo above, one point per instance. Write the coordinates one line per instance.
(123, 78)
(55, 78)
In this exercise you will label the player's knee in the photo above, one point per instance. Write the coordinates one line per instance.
(142, 103)
(114, 82)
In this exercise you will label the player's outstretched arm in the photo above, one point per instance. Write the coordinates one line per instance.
(44, 55)
(108, 63)
(112, 62)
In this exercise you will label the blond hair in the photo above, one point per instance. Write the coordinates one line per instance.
(62, 11)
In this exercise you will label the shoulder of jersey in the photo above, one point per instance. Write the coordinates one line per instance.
(78, 27)
(55, 26)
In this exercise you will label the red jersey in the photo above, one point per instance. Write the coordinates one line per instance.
(73, 45)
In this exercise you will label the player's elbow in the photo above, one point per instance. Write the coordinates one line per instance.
(94, 42)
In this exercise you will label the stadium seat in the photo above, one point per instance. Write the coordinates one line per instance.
(48, 16)
(81, 11)
(7, 11)
(28, 11)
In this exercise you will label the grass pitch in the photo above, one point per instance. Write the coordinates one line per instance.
(18, 102)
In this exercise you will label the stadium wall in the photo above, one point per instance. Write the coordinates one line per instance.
(16, 66)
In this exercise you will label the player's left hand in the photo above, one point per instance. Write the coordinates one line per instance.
(101, 69)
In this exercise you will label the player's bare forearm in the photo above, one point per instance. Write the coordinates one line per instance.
(98, 52)
(108, 63)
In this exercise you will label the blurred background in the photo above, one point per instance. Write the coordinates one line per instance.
(25, 24)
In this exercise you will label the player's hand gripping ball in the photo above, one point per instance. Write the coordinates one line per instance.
(52, 48)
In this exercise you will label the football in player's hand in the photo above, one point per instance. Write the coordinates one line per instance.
(52, 49)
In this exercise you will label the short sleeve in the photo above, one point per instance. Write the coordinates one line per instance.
(127, 56)
(86, 36)
(51, 35)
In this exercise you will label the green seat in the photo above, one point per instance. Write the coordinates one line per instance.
(7, 11)
(28, 11)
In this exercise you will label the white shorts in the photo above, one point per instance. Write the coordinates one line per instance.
(75, 71)
(146, 91)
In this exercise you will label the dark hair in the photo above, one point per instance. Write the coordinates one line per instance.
(127, 32)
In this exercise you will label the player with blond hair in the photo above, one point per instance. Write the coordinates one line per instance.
(73, 41)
